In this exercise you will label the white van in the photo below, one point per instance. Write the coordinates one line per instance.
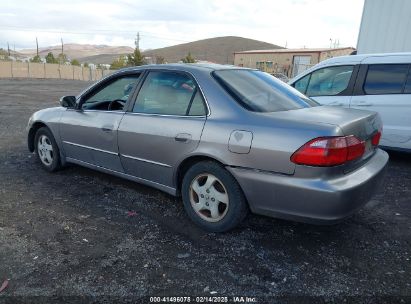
(377, 82)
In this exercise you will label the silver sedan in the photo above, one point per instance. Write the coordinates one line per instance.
(227, 140)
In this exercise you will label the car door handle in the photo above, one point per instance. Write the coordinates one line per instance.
(336, 104)
(107, 128)
(183, 137)
(361, 103)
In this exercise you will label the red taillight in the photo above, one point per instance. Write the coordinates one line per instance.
(376, 138)
(329, 151)
(355, 147)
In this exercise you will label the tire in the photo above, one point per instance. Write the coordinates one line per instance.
(212, 197)
(47, 150)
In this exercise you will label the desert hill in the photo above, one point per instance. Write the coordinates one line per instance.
(218, 50)
(79, 51)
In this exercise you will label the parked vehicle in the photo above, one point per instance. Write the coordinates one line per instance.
(281, 76)
(377, 82)
(227, 139)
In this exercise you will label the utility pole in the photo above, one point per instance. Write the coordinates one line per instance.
(137, 41)
(62, 48)
(8, 48)
(37, 47)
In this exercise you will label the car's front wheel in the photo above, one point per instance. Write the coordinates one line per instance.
(47, 149)
(212, 197)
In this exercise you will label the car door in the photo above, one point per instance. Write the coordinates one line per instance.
(163, 126)
(329, 85)
(89, 133)
(386, 89)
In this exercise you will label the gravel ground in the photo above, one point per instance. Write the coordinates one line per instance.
(91, 237)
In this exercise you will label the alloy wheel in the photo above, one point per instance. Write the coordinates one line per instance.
(45, 150)
(209, 197)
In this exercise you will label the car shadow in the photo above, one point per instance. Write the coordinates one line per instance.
(168, 212)
(399, 156)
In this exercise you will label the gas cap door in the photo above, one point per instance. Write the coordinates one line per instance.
(240, 141)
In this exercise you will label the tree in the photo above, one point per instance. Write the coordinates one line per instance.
(36, 59)
(4, 55)
(75, 62)
(119, 63)
(188, 59)
(62, 58)
(50, 58)
(160, 60)
(85, 64)
(136, 58)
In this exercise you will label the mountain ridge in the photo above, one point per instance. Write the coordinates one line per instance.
(217, 50)
(79, 51)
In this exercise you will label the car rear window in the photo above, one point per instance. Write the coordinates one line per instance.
(260, 92)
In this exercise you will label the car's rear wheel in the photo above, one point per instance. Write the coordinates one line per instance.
(47, 149)
(212, 197)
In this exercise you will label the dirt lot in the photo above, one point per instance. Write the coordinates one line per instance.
(81, 233)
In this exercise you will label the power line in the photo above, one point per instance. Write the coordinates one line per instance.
(89, 32)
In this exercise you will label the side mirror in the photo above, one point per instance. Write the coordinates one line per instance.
(68, 101)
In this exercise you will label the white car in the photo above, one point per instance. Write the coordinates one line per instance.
(376, 82)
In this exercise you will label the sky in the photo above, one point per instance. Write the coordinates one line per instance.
(290, 23)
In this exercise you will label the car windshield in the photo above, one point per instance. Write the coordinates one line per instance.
(260, 92)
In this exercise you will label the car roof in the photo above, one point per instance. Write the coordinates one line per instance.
(356, 59)
(188, 67)
(362, 57)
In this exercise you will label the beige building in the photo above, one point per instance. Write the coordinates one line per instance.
(289, 62)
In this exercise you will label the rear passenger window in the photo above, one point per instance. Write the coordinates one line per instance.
(197, 106)
(169, 93)
(407, 88)
(329, 81)
(385, 78)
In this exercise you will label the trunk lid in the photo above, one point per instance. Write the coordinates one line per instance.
(360, 123)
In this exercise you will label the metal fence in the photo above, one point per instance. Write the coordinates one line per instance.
(12, 69)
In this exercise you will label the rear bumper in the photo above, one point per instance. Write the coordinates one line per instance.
(311, 200)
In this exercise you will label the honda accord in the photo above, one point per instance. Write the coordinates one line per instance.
(228, 140)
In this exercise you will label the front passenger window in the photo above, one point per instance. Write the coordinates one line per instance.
(329, 81)
(302, 84)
